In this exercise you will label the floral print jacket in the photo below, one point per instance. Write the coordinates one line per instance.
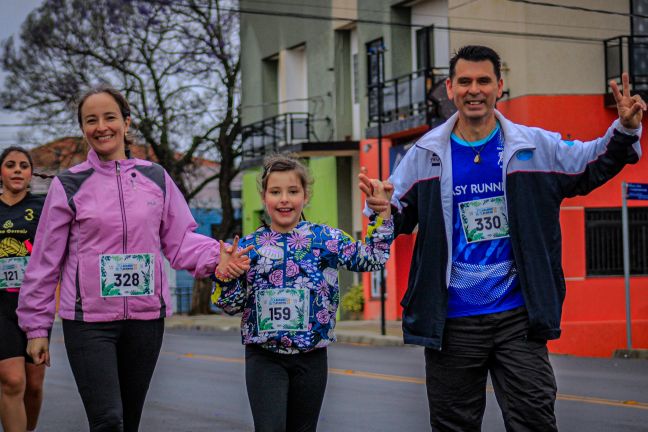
(290, 295)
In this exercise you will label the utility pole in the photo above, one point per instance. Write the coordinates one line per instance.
(379, 53)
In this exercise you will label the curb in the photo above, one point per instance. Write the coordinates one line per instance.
(367, 339)
(349, 337)
(631, 354)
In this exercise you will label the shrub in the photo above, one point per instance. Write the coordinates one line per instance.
(353, 300)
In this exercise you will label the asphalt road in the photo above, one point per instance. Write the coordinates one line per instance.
(199, 385)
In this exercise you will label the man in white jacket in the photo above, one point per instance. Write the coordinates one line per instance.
(486, 286)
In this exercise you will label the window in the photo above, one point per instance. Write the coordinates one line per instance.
(604, 241)
(356, 99)
(638, 22)
(375, 74)
(425, 48)
(375, 284)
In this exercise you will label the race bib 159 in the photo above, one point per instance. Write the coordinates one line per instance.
(282, 309)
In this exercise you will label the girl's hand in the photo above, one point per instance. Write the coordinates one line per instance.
(378, 194)
(233, 261)
(383, 190)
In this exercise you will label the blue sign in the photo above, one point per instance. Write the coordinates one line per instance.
(396, 155)
(637, 191)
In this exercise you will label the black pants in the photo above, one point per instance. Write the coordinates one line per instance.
(522, 376)
(113, 363)
(285, 390)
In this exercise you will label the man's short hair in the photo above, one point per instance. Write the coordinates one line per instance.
(477, 53)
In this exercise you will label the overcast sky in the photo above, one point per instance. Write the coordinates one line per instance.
(12, 15)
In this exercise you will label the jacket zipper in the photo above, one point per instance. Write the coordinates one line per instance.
(124, 225)
(285, 257)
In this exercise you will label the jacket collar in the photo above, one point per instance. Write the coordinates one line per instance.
(108, 166)
(438, 139)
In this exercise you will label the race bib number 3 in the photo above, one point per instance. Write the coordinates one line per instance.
(127, 275)
(282, 309)
(12, 271)
(484, 219)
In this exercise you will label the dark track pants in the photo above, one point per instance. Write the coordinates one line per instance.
(522, 376)
(113, 364)
(285, 390)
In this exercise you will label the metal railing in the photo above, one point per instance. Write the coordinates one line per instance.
(183, 299)
(627, 54)
(271, 134)
(415, 94)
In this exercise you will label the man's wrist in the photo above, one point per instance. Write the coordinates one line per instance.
(627, 130)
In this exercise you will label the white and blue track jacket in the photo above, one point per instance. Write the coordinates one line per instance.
(539, 170)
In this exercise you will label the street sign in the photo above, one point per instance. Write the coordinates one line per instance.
(637, 191)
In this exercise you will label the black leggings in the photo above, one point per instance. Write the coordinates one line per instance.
(113, 363)
(285, 390)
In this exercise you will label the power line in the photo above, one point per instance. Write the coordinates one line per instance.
(298, 15)
(466, 18)
(10, 125)
(579, 8)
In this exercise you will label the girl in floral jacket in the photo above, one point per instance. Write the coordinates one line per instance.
(288, 293)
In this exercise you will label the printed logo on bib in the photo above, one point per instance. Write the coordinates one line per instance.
(282, 309)
(484, 219)
(127, 275)
(12, 271)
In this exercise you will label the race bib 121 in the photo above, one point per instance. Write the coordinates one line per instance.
(12, 271)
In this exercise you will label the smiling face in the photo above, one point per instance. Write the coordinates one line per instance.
(474, 89)
(284, 199)
(16, 172)
(104, 127)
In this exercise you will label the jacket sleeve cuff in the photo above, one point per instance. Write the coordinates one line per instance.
(34, 334)
(636, 132)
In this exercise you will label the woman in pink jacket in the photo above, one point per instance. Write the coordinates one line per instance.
(105, 228)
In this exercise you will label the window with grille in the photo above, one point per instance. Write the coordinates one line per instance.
(604, 241)
(375, 74)
(425, 48)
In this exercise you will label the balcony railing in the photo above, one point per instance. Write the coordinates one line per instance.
(272, 134)
(418, 95)
(626, 54)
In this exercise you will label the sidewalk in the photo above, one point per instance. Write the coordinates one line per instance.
(359, 332)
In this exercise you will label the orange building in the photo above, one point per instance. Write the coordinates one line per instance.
(556, 80)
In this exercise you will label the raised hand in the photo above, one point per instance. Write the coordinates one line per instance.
(234, 262)
(630, 108)
(378, 194)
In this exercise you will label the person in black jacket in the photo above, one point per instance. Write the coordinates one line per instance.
(486, 287)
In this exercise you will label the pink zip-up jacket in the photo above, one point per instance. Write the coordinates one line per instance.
(114, 207)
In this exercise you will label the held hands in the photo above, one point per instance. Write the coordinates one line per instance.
(38, 350)
(378, 194)
(630, 108)
(233, 261)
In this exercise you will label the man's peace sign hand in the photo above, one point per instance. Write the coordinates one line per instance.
(630, 108)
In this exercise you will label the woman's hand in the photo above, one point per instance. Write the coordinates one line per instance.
(38, 350)
(234, 262)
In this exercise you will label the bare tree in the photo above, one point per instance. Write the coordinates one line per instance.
(176, 61)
